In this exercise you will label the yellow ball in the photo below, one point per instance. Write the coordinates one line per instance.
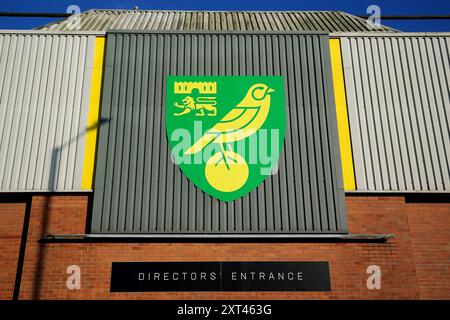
(226, 176)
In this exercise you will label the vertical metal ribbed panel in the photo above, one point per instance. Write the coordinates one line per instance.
(102, 20)
(138, 189)
(398, 103)
(44, 99)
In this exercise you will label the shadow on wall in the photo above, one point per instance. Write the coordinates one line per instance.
(52, 188)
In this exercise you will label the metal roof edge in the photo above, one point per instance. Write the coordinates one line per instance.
(46, 192)
(387, 34)
(224, 32)
(396, 192)
(339, 15)
(54, 32)
(224, 11)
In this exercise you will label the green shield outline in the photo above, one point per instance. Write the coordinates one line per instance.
(261, 150)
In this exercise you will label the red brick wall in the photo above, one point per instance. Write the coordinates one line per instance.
(414, 265)
(12, 215)
(429, 228)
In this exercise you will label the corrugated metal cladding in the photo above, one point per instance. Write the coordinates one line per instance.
(399, 110)
(44, 98)
(139, 189)
(103, 20)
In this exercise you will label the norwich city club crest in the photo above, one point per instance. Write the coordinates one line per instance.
(226, 133)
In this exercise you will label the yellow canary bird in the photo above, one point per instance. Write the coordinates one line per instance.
(242, 121)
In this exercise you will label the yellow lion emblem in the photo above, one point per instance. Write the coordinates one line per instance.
(198, 105)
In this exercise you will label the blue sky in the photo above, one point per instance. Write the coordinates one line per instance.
(388, 7)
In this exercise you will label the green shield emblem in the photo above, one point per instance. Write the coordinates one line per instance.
(226, 133)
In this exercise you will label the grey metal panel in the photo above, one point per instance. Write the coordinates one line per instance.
(398, 103)
(138, 189)
(103, 20)
(45, 82)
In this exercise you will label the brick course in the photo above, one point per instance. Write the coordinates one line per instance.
(414, 265)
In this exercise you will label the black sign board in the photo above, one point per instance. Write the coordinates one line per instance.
(219, 276)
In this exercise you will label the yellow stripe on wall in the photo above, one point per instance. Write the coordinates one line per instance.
(341, 112)
(94, 107)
